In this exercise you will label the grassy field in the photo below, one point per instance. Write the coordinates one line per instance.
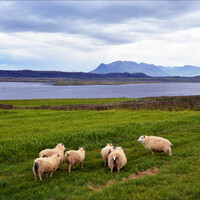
(59, 102)
(24, 133)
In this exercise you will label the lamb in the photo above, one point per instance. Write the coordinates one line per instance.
(156, 144)
(46, 166)
(59, 149)
(117, 159)
(74, 157)
(106, 151)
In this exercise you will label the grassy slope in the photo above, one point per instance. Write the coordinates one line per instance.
(58, 102)
(24, 133)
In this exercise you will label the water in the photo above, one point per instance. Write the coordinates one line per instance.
(29, 90)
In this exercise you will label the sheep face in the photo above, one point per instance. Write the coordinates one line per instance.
(110, 145)
(61, 146)
(59, 156)
(81, 149)
(141, 139)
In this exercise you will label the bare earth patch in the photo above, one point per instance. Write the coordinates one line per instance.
(132, 176)
(110, 182)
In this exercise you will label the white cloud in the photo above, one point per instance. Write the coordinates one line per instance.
(54, 40)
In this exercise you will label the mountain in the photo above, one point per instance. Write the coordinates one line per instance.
(148, 69)
(186, 70)
(68, 75)
(130, 67)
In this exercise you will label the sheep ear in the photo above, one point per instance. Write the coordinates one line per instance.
(63, 144)
(144, 136)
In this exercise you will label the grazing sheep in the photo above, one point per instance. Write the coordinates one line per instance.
(154, 144)
(59, 149)
(46, 166)
(117, 159)
(74, 157)
(105, 152)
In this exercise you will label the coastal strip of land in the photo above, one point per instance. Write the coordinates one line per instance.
(104, 81)
(175, 103)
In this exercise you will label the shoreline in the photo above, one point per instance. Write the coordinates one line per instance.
(113, 81)
(169, 103)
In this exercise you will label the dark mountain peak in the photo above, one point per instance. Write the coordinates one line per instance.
(100, 68)
(102, 64)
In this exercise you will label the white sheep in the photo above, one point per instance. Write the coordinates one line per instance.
(74, 157)
(156, 144)
(117, 159)
(46, 166)
(59, 149)
(106, 151)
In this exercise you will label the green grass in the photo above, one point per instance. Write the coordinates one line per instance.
(23, 133)
(58, 102)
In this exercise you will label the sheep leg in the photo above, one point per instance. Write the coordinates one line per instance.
(69, 168)
(105, 163)
(40, 176)
(169, 152)
(35, 176)
(51, 174)
(74, 165)
(46, 175)
(82, 165)
(152, 152)
(111, 169)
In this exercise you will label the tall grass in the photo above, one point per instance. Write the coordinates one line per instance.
(24, 133)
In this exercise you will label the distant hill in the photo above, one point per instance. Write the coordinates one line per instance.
(69, 75)
(186, 70)
(148, 69)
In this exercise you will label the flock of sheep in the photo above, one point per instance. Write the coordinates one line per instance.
(50, 159)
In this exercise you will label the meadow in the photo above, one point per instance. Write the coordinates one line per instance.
(59, 102)
(25, 132)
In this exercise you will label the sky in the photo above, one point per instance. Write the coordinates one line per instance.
(77, 36)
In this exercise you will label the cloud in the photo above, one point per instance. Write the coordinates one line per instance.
(78, 35)
(89, 18)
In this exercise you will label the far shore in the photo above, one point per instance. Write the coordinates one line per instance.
(111, 81)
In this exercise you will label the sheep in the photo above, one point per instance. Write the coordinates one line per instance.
(74, 157)
(46, 165)
(117, 159)
(59, 149)
(105, 152)
(156, 144)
